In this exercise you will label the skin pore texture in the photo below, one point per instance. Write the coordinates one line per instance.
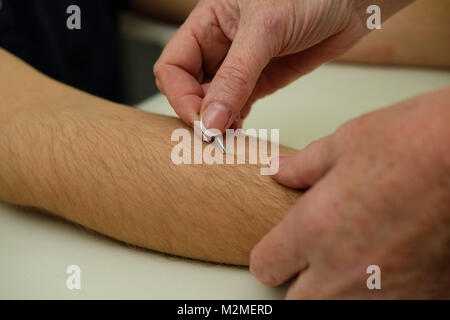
(108, 167)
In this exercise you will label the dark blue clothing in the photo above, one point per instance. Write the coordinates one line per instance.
(88, 59)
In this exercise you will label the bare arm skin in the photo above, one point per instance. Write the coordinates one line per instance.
(417, 35)
(108, 168)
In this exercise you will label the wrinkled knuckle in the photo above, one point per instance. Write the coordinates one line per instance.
(236, 78)
(272, 24)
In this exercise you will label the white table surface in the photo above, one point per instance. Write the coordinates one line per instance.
(36, 249)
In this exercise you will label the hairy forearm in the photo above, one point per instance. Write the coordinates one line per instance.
(108, 168)
(417, 35)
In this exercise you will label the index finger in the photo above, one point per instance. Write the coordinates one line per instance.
(177, 70)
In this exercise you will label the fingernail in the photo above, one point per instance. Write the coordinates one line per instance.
(208, 134)
(216, 116)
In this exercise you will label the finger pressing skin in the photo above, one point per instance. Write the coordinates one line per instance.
(307, 166)
(235, 80)
(183, 92)
(281, 254)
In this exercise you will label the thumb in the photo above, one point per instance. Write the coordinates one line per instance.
(307, 166)
(235, 80)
